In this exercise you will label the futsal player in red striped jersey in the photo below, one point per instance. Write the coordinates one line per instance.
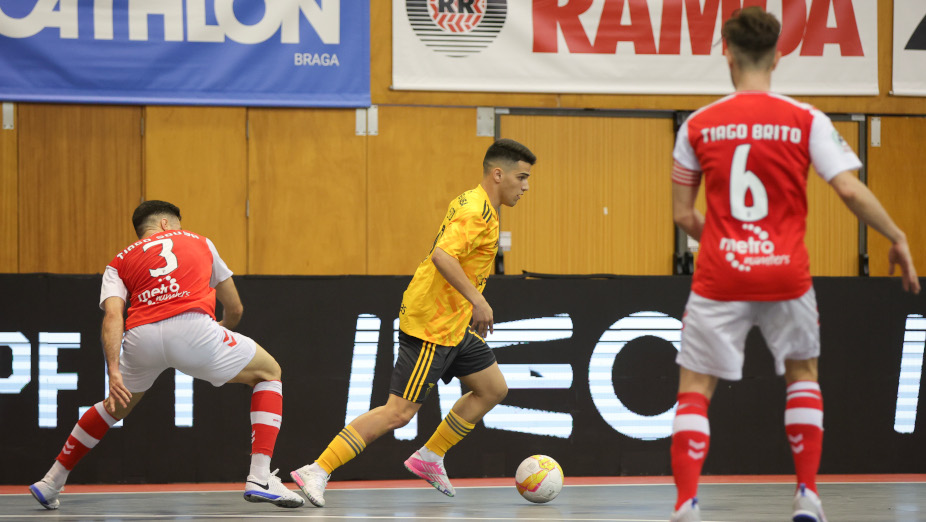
(170, 279)
(753, 149)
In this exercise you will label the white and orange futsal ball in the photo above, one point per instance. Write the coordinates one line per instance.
(539, 478)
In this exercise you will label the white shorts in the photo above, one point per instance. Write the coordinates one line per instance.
(714, 333)
(191, 342)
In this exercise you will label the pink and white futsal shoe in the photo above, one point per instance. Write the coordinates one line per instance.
(312, 480)
(432, 472)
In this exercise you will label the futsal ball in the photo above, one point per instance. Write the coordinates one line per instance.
(539, 478)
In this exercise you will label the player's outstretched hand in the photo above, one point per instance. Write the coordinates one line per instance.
(483, 318)
(899, 255)
(117, 392)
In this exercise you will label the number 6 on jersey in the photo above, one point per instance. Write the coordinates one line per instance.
(741, 182)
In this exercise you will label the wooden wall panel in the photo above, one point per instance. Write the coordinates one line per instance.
(308, 192)
(9, 198)
(600, 198)
(79, 181)
(196, 158)
(895, 176)
(382, 92)
(832, 230)
(422, 158)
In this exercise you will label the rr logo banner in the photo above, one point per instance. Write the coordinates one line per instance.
(456, 28)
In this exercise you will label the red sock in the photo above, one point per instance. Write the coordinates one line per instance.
(266, 416)
(691, 435)
(804, 426)
(88, 431)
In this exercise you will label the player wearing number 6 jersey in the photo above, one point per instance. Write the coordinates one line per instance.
(753, 150)
(170, 279)
(436, 340)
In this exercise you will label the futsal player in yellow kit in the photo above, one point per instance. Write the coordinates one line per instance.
(443, 323)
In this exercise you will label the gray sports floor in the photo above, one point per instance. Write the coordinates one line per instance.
(856, 502)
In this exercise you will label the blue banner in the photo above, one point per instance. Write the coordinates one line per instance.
(294, 53)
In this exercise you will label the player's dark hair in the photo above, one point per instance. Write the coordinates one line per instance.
(150, 208)
(752, 35)
(508, 151)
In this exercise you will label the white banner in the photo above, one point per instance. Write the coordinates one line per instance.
(909, 48)
(624, 46)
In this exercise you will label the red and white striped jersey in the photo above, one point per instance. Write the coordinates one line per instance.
(164, 275)
(754, 150)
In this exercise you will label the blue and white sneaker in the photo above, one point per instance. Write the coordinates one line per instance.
(807, 506)
(273, 491)
(46, 494)
(687, 512)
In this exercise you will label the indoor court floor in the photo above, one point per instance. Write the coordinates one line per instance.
(855, 498)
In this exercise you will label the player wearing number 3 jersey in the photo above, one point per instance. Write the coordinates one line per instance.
(170, 279)
(753, 150)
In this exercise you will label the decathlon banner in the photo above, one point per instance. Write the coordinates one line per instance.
(909, 48)
(624, 46)
(310, 53)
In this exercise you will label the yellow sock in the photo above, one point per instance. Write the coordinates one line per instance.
(347, 445)
(450, 431)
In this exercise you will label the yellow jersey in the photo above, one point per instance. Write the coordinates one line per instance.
(432, 309)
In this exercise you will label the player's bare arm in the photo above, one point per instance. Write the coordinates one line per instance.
(684, 212)
(232, 308)
(450, 268)
(864, 204)
(112, 330)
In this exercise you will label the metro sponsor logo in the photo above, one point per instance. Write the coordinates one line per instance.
(804, 25)
(758, 250)
(167, 291)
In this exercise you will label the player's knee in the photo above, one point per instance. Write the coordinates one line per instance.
(269, 369)
(399, 417)
(801, 370)
(405, 416)
(493, 394)
(274, 371)
(498, 394)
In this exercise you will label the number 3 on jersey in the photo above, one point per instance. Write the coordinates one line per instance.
(742, 182)
(166, 252)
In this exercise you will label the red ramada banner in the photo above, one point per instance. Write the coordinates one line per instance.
(624, 46)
